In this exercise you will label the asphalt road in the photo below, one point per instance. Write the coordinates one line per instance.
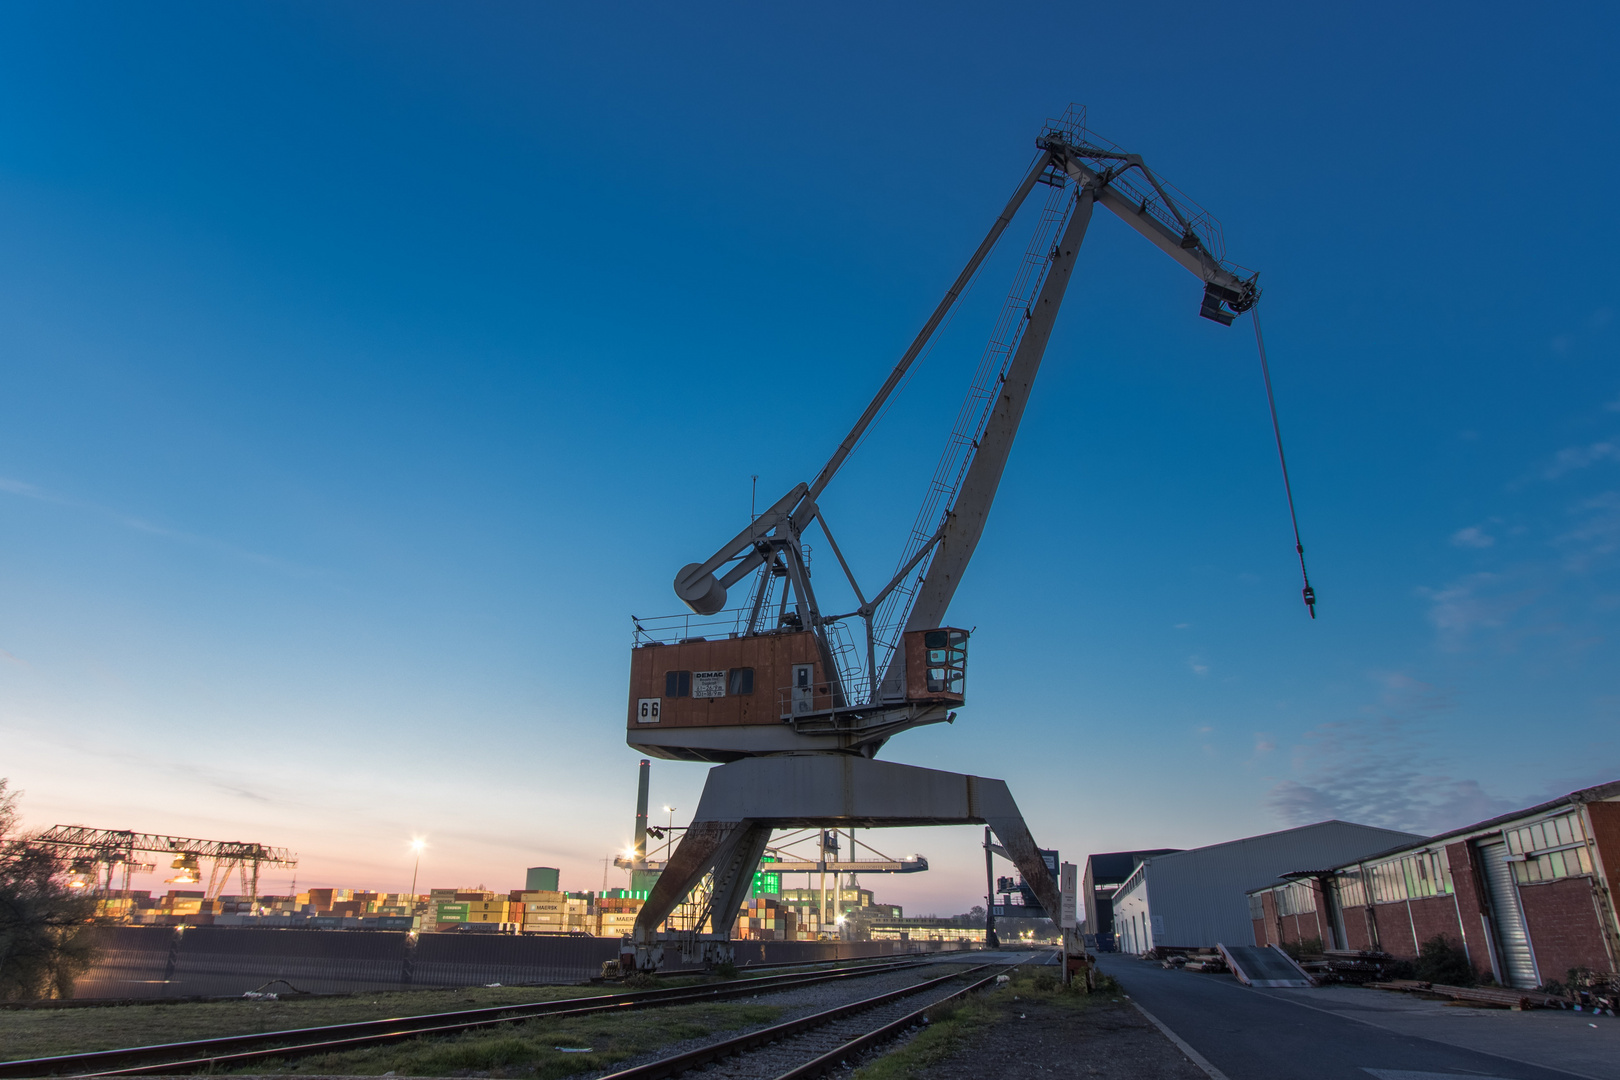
(1344, 1033)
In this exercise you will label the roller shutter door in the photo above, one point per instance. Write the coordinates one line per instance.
(1512, 940)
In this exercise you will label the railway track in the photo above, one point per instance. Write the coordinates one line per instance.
(232, 1051)
(812, 1045)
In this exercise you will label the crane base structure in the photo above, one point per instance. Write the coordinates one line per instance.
(744, 801)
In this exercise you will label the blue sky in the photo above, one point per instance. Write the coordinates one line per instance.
(367, 366)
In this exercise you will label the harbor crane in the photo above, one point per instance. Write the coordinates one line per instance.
(788, 702)
(96, 855)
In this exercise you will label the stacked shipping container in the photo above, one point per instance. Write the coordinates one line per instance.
(767, 919)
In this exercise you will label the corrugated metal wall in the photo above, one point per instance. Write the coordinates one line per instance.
(212, 961)
(472, 960)
(1200, 894)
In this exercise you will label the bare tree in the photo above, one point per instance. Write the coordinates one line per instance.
(44, 943)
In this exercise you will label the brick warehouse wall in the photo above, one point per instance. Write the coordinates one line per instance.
(1405, 925)
(1563, 924)
(1395, 930)
(1433, 916)
(1297, 928)
(1276, 929)
(1470, 904)
(1358, 929)
(1323, 929)
(1268, 904)
(1604, 818)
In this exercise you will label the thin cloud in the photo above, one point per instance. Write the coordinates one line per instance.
(1405, 695)
(1554, 595)
(22, 489)
(17, 487)
(1573, 458)
(1476, 602)
(1596, 533)
(1374, 773)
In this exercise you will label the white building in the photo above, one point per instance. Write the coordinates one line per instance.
(1198, 898)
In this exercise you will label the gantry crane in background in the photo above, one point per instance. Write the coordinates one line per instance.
(779, 691)
(95, 856)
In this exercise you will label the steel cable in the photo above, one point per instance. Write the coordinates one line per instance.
(1307, 592)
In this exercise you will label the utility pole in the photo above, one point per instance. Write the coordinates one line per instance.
(990, 941)
(821, 907)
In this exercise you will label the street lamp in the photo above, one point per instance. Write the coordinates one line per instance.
(670, 832)
(417, 845)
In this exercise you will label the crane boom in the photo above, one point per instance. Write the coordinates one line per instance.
(966, 517)
(1098, 173)
(698, 700)
(696, 584)
(1187, 235)
(927, 332)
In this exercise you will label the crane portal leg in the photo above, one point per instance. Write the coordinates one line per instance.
(727, 850)
(745, 800)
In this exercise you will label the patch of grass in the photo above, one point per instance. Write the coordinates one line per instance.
(946, 1034)
(29, 1033)
(954, 1024)
(531, 1048)
(1103, 983)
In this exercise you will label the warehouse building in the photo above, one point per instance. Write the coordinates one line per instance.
(1528, 895)
(1104, 874)
(1199, 898)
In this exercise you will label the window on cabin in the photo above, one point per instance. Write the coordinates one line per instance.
(946, 657)
(741, 681)
(677, 684)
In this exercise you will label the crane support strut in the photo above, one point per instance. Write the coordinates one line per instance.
(744, 801)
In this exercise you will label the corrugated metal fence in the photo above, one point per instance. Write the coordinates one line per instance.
(212, 961)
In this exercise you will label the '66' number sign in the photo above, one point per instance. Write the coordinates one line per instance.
(647, 710)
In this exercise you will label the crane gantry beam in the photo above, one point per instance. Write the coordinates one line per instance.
(93, 842)
(117, 847)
